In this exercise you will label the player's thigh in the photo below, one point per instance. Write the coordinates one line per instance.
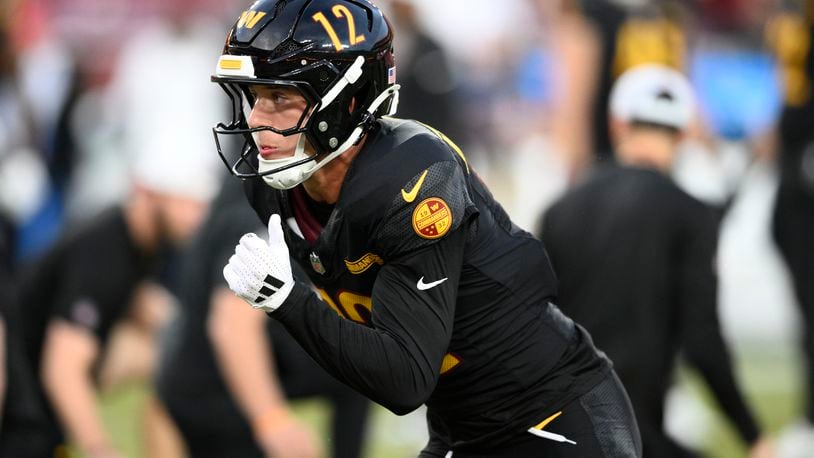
(598, 424)
(601, 423)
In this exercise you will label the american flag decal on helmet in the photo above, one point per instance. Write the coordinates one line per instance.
(391, 75)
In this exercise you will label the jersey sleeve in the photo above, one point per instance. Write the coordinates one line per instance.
(434, 203)
(91, 294)
(395, 362)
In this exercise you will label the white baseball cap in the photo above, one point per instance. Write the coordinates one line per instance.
(654, 94)
(186, 172)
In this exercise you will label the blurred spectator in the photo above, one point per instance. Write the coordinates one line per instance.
(629, 239)
(631, 33)
(72, 298)
(93, 274)
(3, 345)
(227, 370)
(545, 124)
(22, 415)
(150, 97)
(25, 189)
(739, 96)
(5, 302)
(790, 36)
(426, 74)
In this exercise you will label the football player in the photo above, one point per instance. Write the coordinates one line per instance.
(426, 291)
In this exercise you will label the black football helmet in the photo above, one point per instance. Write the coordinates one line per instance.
(332, 52)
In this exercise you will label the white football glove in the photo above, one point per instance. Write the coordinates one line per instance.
(260, 272)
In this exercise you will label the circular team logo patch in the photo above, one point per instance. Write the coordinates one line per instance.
(432, 218)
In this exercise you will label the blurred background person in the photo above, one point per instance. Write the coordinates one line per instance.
(22, 415)
(629, 33)
(93, 280)
(227, 371)
(790, 35)
(5, 301)
(551, 86)
(27, 193)
(137, 120)
(425, 72)
(739, 95)
(72, 298)
(24, 192)
(631, 241)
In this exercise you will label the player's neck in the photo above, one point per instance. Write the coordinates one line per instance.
(325, 184)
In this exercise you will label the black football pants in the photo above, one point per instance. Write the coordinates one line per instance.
(600, 422)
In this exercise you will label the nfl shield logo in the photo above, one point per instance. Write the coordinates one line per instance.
(316, 264)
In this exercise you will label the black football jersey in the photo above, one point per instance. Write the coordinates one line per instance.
(428, 293)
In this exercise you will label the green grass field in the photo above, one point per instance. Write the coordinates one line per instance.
(771, 381)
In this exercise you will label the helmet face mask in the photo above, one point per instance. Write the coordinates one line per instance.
(336, 54)
(241, 157)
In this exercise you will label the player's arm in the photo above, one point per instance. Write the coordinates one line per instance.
(703, 343)
(578, 50)
(69, 353)
(396, 361)
(244, 354)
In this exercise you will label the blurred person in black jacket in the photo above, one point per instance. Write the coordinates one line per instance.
(790, 36)
(635, 259)
(77, 296)
(22, 416)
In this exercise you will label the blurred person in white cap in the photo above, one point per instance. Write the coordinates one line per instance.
(635, 258)
(89, 309)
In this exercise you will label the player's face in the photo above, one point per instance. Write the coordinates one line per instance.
(281, 108)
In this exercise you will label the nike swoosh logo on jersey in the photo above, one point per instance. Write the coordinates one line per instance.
(409, 197)
(425, 286)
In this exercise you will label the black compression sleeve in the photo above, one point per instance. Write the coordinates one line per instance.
(396, 361)
(703, 344)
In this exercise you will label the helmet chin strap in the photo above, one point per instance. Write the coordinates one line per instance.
(286, 179)
(290, 178)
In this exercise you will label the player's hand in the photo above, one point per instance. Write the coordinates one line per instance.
(260, 272)
(291, 440)
(763, 448)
